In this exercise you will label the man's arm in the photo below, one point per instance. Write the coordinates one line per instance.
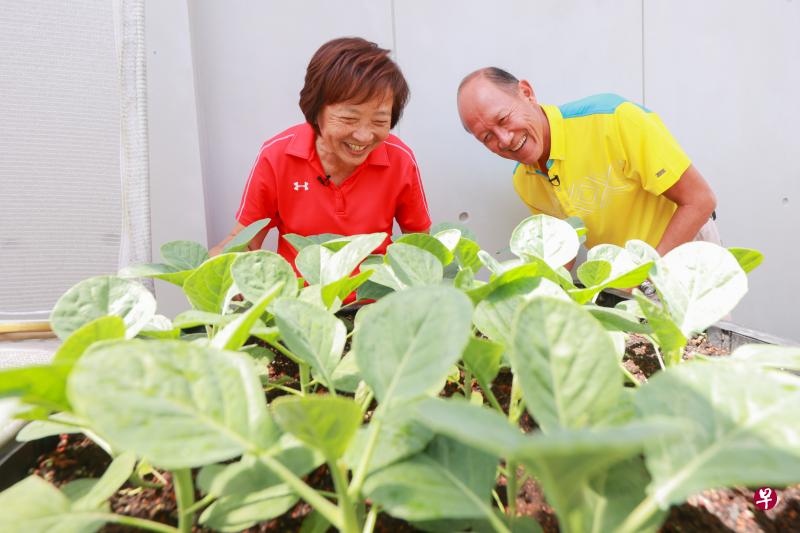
(695, 201)
(255, 244)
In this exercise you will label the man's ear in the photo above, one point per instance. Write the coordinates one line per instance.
(526, 91)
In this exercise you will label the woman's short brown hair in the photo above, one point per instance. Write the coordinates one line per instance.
(351, 68)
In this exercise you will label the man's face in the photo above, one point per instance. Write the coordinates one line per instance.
(512, 125)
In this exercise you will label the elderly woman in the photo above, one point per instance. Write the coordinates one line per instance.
(341, 171)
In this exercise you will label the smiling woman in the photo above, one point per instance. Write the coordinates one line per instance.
(341, 171)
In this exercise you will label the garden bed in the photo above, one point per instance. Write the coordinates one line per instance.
(69, 457)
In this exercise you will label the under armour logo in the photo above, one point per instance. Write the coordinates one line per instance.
(298, 185)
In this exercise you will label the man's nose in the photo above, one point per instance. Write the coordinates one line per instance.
(504, 138)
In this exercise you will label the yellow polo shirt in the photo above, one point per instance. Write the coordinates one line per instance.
(610, 160)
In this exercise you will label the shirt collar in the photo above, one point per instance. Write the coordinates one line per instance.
(302, 145)
(557, 145)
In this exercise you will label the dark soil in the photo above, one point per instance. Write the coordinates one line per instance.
(726, 510)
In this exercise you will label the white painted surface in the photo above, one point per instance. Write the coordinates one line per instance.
(176, 180)
(722, 75)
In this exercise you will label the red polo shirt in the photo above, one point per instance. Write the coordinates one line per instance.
(286, 185)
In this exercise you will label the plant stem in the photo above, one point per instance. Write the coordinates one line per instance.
(346, 507)
(323, 506)
(304, 377)
(489, 395)
(511, 488)
(643, 512)
(366, 402)
(138, 523)
(498, 501)
(285, 389)
(467, 384)
(199, 504)
(372, 517)
(630, 376)
(184, 496)
(515, 406)
(360, 473)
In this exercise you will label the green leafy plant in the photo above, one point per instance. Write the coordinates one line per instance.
(195, 389)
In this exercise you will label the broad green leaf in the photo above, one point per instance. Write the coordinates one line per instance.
(185, 405)
(700, 283)
(161, 271)
(614, 494)
(744, 429)
(482, 357)
(342, 263)
(236, 333)
(536, 268)
(409, 340)
(102, 296)
(35, 506)
(255, 274)
(494, 314)
(489, 262)
(566, 364)
(250, 474)
(326, 423)
(370, 290)
(299, 242)
(383, 275)
(765, 355)
(243, 238)
(312, 334)
(747, 258)
(665, 331)
(103, 328)
(309, 262)
(641, 251)
(414, 266)
(466, 253)
(429, 244)
(617, 319)
(38, 429)
(160, 327)
(465, 280)
(449, 480)
(449, 237)
(207, 288)
(547, 238)
(566, 462)
(593, 273)
(626, 271)
(346, 375)
(184, 255)
(115, 475)
(193, 318)
(401, 435)
(41, 386)
(341, 289)
(241, 511)
(579, 226)
(472, 425)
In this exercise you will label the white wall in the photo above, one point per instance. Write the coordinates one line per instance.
(721, 74)
(176, 178)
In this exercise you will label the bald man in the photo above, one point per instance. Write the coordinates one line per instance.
(604, 159)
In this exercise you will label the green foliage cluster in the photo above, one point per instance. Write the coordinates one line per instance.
(609, 457)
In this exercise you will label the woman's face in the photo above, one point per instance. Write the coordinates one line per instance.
(350, 131)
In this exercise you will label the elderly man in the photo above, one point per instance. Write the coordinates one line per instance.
(606, 160)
